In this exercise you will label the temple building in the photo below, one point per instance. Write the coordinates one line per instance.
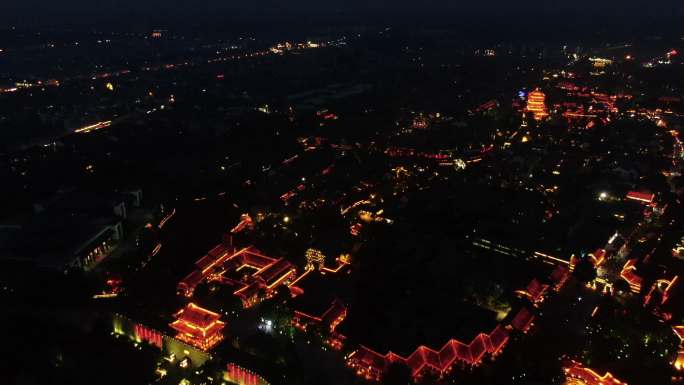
(329, 320)
(371, 365)
(314, 259)
(536, 104)
(642, 197)
(253, 276)
(576, 373)
(629, 274)
(198, 327)
(534, 291)
(679, 361)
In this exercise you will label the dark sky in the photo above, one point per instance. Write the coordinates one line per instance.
(42, 6)
(83, 11)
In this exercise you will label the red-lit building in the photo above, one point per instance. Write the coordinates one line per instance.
(238, 375)
(332, 317)
(247, 270)
(371, 364)
(661, 289)
(598, 257)
(641, 197)
(487, 106)
(198, 327)
(559, 276)
(679, 361)
(271, 274)
(151, 336)
(588, 376)
(534, 291)
(523, 320)
(630, 275)
(246, 222)
(536, 104)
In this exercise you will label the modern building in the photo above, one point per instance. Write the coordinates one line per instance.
(72, 230)
(73, 244)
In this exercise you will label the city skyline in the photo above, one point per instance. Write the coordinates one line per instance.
(275, 193)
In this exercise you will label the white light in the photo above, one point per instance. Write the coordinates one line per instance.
(612, 239)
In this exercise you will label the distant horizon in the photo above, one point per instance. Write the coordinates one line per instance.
(515, 25)
(104, 13)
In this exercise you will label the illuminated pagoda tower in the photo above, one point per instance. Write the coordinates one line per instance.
(536, 104)
(198, 327)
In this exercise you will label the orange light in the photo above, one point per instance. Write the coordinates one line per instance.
(589, 376)
(536, 104)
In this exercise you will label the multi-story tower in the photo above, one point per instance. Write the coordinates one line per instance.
(536, 104)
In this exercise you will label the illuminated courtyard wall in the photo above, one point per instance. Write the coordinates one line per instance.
(238, 375)
(168, 345)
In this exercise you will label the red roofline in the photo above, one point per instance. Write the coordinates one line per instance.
(451, 353)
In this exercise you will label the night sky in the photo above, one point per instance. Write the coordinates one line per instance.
(29, 11)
